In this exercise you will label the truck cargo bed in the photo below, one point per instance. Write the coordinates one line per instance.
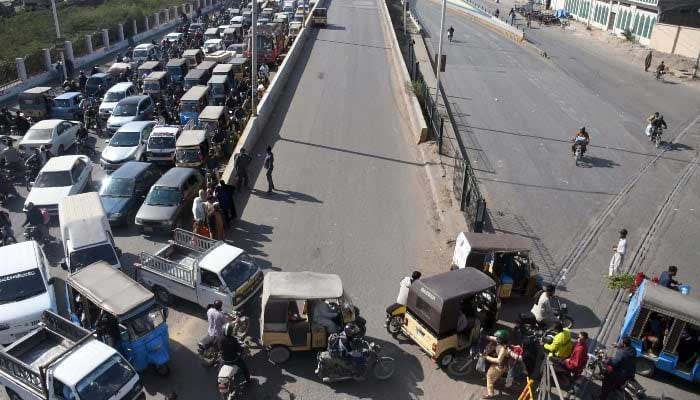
(41, 347)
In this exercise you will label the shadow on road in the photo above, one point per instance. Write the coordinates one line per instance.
(249, 236)
(287, 196)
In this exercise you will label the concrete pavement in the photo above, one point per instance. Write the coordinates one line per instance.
(518, 112)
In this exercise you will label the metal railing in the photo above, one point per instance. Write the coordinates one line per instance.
(22, 372)
(63, 326)
(192, 240)
(464, 181)
(168, 268)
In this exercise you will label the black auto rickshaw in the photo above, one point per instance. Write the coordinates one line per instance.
(504, 257)
(196, 77)
(434, 306)
(219, 89)
(36, 102)
(177, 69)
(156, 84)
(146, 68)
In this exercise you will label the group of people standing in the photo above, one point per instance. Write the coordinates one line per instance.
(213, 209)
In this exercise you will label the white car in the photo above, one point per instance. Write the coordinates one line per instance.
(59, 177)
(57, 135)
(114, 95)
(128, 144)
(174, 37)
(213, 45)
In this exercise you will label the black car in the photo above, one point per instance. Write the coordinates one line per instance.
(123, 191)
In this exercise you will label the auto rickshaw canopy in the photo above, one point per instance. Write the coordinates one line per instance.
(669, 302)
(211, 113)
(301, 286)
(191, 138)
(436, 300)
(120, 297)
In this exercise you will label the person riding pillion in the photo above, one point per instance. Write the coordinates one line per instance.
(542, 311)
(561, 347)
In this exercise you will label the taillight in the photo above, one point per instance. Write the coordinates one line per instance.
(223, 388)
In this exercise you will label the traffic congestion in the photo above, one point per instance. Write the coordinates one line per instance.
(137, 149)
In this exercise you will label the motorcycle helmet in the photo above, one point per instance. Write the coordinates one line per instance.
(351, 330)
(502, 336)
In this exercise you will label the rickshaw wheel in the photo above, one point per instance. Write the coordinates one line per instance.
(460, 366)
(163, 369)
(644, 367)
(446, 359)
(279, 354)
(567, 322)
(394, 324)
(384, 368)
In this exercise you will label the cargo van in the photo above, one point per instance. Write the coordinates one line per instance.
(85, 232)
(26, 290)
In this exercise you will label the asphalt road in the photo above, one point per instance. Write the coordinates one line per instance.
(517, 113)
(351, 199)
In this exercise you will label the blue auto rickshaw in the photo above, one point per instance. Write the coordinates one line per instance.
(67, 106)
(664, 325)
(122, 313)
(192, 103)
(177, 69)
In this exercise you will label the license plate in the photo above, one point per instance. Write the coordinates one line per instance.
(147, 229)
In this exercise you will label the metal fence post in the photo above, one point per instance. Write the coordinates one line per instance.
(442, 125)
(465, 188)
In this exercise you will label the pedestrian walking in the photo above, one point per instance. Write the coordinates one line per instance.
(216, 222)
(241, 164)
(618, 254)
(269, 166)
(647, 61)
(497, 13)
(511, 14)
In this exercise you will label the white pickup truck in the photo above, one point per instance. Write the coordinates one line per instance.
(200, 270)
(60, 361)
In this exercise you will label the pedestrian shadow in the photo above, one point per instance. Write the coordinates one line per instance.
(677, 147)
(249, 236)
(287, 196)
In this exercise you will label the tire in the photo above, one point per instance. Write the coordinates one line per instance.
(279, 354)
(163, 296)
(163, 370)
(461, 366)
(567, 322)
(394, 324)
(645, 367)
(384, 368)
(445, 359)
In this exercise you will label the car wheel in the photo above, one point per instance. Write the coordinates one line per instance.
(445, 359)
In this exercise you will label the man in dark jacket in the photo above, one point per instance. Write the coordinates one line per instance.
(241, 163)
(232, 351)
(621, 368)
(224, 195)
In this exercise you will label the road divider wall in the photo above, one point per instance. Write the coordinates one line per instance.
(266, 107)
(412, 111)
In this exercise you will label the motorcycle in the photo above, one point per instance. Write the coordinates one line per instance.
(30, 173)
(578, 149)
(656, 135)
(597, 368)
(210, 354)
(333, 368)
(35, 233)
(531, 327)
(82, 147)
(226, 378)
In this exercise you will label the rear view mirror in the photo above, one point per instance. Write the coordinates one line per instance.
(118, 251)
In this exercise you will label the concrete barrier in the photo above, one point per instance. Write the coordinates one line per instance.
(9, 92)
(266, 107)
(402, 81)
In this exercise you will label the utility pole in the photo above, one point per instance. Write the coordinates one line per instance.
(439, 58)
(55, 19)
(254, 60)
(303, 23)
(405, 3)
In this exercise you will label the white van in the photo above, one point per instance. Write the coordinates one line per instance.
(26, 290)
(117, 92)
(145, 52)
(85, 232)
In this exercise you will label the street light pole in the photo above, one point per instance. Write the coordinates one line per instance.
(55, 19)
(439, 58)
(404, 17)
(254, 60)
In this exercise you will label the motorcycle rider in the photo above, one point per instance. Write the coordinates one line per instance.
(542, 310)
(6, 227)
(498, 358)
(10, 157)
(21, 123)
(561, 347)
(581, 139)
(231, 350)
(82, 81)
(660, 70)
(404, 285)
(36, 219)
(450, 33)
(656, 124)
(579, 356)
(349, 346)
(621, 368)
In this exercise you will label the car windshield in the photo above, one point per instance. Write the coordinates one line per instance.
(106, 380)
(141, 53)
(161, 142)
(125, 139)
(163, 196)
(189, 106)
(61, 103)
(39, 134)
(175, 72)
(20, 286)
(189, 155)
(117, 187)
(113, 97)
(94, 82)
(53, 179)
(84, 257)
(238, 271)
(146, 322)
(125, 110)
(151, 85)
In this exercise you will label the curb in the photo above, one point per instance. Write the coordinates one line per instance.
(402, 80)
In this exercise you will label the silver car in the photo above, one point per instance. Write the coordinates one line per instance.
(172, 194)
(129, 109)
(128, 144)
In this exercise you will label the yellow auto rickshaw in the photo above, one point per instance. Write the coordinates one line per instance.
(192, 149)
